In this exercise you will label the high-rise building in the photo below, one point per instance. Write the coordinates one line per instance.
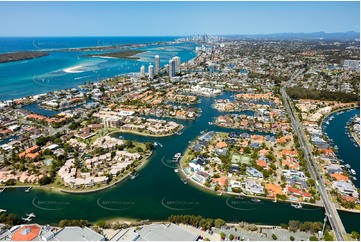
(142, 71)
(166, 67)
(157, 64)
(171, 68)
(177, 64)
(151, 71)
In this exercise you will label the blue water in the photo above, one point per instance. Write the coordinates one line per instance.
(346, 150)
(40, 75)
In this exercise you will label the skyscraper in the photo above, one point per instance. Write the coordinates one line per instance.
(157, 64)
(142, 71)
(151, 71)
(171, 68)
(177, 64)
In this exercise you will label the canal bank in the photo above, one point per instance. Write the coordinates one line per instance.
(347, 151)
(158, 192)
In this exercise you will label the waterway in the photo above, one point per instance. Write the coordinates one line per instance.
(347, 151)
(158, 192)
(67, 69)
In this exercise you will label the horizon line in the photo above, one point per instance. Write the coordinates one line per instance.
(185, 35)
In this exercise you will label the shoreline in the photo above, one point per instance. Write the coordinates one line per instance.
(146, 135)
(63, 191)
(209, 190)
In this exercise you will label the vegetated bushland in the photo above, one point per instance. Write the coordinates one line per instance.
(304, 93)
(23, 55)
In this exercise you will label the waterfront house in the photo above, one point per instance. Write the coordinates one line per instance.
(274, 189)
(254, 173)
(254, 188)
(75, 233)
(333, 168)
(339, 177)
(297, 193)
(345, 188)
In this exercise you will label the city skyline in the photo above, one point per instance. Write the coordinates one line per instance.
(145, 18)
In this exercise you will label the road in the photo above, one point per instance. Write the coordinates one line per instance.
(312, 166)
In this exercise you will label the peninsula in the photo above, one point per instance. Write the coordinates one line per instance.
(23, 55)
(126, 54)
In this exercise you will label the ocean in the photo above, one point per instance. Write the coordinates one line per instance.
(68, 69)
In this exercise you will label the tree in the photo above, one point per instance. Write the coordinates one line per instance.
(101, 223)
(274, 237)
(247, 149)
(313, 238)
(231, 237)
(328, 236)
(355, 235)
(219, 222)
(293, 225)
(223, 235)
(292, 238)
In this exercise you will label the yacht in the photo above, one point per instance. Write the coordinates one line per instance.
(176, 170)
(297, 205)
(352, 171)
(255, 200)
(133, 175)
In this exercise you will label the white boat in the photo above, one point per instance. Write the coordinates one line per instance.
(2, 210)
(133, 175)
(2, 189)
(299, 205)
(220, 194)
(28, 190)
(354, 178)
(352, 171)
(255, 200)
(176, 170)
(177, 155)
(26, 219)
(31, 215)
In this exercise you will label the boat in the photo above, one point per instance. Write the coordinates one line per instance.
(275, 200)
(354, 178)
(185, 180)
(347, 166)
(31, 215)
(179, 133)
(255, 200)
(210, 123)
(176, 170)
(177, 155)
(2, 210)
(352, 171)
(28, 190)
(220, 194)
(239, 197)
(299, 205)
(26, 219)
(133, 175)
(2, 189)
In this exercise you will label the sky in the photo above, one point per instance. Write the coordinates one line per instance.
(175, 18)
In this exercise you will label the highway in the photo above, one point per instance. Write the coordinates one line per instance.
(312, 166)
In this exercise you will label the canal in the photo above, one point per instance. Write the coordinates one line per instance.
(158, 192)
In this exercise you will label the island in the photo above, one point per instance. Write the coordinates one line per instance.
(22, 55)
(126, 54)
